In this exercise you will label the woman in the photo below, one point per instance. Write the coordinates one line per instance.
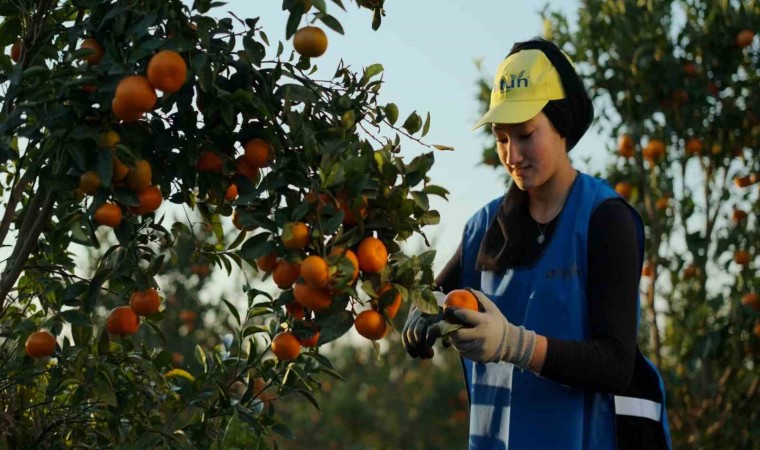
(555, 264)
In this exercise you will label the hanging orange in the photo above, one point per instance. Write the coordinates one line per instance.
(167, 71)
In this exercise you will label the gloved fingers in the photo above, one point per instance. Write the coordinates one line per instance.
(484, 301)
(465, 334)
(466, 347)
(466, 317)
(407, 336)
(418, 339)
(432, 334)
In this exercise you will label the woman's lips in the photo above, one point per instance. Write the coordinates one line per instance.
(520, 171)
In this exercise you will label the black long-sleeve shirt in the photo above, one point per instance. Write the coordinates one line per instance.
(604, 363)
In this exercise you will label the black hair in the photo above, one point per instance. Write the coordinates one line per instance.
(572, 115)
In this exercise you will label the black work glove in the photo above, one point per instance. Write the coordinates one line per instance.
(420, 332)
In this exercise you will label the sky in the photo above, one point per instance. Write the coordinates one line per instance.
(428, 50)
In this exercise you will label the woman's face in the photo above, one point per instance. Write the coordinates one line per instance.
(530, 151)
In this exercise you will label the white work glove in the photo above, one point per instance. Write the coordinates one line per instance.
(489, 337)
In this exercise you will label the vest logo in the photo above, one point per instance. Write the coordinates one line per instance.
(565, 273)
(515, 81)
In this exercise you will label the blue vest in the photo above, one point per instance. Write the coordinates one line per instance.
(517, 409)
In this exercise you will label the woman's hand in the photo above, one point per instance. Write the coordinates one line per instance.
(484, 336)
(421, 331)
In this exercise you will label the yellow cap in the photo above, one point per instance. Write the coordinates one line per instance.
(523, 85)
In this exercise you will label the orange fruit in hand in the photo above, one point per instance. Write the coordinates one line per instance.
(372, 255)
(312, 298)
(744, 38)
(286, 346)
(310, 41)
(267, 263)
(232, 192)
(135, 93)
(108, 214)
(371, 325)
(120, 170)
(145, 303)
(150, 199)
(295, 235)
(89, 182)
(97, 49)
(314, 338)
(459, 298)
(122, 112)
(258, 153)
(391, 309)
(140, 176)
(315, 271)
(16, 50)
(167, 71)
(123, 321)
(209, 161)
(40, 344)
(285, 273)
(351, 256)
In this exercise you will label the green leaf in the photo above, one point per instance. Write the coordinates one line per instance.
(320, 5)
(448, 328)
(426, 127)
(233, 310)
(76, 317)
(391, 112)
(334, 326)
(371, 71)
(239, 435)
(377, 18)
(421, 199)
(200, 355)
(155, 265)
(430, 218)
(432, 189)
(412, 123)
(258, 245)
(332, 22)
(94, 289)
(425, 302)
(103, 392)
(443, 147)
(73, 291)
(293, 20)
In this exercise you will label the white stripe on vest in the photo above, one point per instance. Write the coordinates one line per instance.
(638, 407)
(490, 396)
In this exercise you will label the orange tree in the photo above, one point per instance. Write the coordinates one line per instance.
(114, 113)
(675, 86)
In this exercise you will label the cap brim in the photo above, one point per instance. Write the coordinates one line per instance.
(512, 112)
